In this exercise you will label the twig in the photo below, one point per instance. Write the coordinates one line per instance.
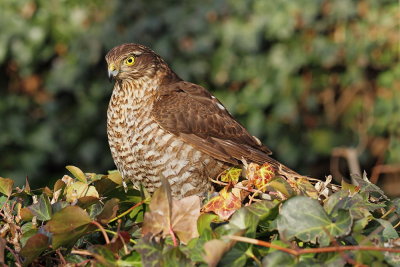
(297, 252)
(127, 211)
(82, 252)
(123, 243)
(117, 234)
(386, 168)
(388, 212)
(102, 231)
(83, 263)
(61, 257)
(351, 155)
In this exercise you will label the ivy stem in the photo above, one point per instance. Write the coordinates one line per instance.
(297, 252)
(127, 211)
(102, 231)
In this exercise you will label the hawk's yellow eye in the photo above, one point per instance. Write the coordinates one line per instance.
(129, 61)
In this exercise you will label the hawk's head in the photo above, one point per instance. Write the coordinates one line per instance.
(133, 61)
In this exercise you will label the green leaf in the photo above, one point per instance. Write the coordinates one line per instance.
(388, 232)
(133, 259)
(237, 255)
(366, 186)
(115, 176)
(243, 219)
(278, 258)
(42, 209)
(77, 173)
(34, 246)
(6, 186)
(173, 256)
(103, 255)
(305, 219)
(344, 200)
(279, 184)
(150, 251)
(68, 225)
(263, 209)
(204, 223)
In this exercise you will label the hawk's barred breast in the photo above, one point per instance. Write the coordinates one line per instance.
(145, 153)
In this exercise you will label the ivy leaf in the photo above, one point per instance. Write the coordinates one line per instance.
(78, 190)
(366, 186)
(260, 176)
(224, 205)
(77, 173)
(231, 175)
(167, 213)
(279, 184)
(185, 213)
(103, 255)
(6, 186)
(150, 251)
(109, 211)
(34, 246)
(204, 223)
(68, 225)
(305, 219)
(115, 176)
(388, 232)
(42, 209)
(215, 249)
(343, 200)
(278, 258)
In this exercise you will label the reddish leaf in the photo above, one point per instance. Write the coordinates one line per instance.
(260, 176)
(118, 243)
(67, 225)
(223, 205)
(109, 211)
(34, 246)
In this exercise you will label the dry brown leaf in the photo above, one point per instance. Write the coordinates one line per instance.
(168, 214)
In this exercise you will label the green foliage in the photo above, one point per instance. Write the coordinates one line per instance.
(304, 76)
(106, 231)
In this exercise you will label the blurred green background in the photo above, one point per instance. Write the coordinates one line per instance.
(304, 76)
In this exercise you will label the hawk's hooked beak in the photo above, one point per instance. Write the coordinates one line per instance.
(112, 72)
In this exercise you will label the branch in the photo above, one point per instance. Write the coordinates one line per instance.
(297, 252)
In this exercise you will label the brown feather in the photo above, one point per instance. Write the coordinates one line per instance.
(192, 113)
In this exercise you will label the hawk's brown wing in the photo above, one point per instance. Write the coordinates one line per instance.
(192, 113)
